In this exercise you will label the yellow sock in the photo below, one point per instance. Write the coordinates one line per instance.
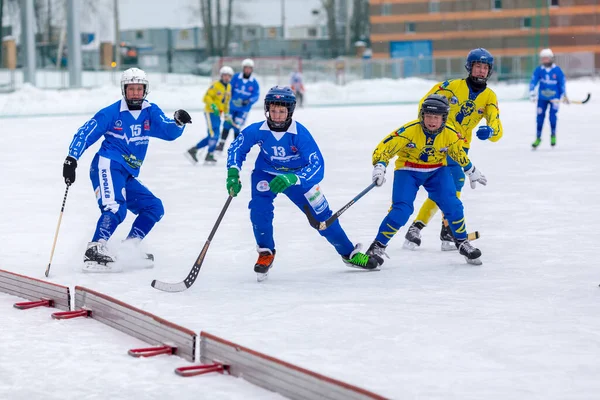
(427, 211)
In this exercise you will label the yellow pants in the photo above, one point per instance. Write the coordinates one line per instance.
(428, 210)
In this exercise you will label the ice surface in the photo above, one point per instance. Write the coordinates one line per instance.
(427, 326)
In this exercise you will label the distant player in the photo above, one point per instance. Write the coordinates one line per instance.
(423, 148)
(127, 127)
(470, 101)
(291, 163)
(297, 86)
(244, 93)
(551, 91)
(216, 104)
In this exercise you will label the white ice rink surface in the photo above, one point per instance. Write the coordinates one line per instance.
(525, 325)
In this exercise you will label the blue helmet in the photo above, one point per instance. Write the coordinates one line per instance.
(280, 96)
(483, 56)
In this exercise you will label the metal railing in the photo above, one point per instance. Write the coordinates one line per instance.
(339, 71)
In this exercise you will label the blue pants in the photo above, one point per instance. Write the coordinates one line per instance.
(441, 188)
(118, 191)
(213, 125)
(261, 212)
(541, 116)
(457, 172)
(239, 118)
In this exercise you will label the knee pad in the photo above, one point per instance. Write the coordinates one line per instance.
(154, 210)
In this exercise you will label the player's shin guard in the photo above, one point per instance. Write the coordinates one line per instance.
(107, 224)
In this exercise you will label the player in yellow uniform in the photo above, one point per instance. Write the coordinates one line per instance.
(216, 102)
(423, 148)
(470, 101)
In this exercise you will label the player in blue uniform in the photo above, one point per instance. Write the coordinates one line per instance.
(245, 91)
(291, 163)
(551, 91)
(127, 127)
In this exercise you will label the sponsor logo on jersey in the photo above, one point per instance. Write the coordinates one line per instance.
(411, 145)
(480, 111)
(118, 125)
(147, 125)
(453, 100)
(294, 149)
(262, 186)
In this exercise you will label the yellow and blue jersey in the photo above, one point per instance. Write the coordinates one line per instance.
(467, 108)
(219, 94)
(419, 151)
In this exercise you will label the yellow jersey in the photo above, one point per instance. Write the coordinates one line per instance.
(468, 108)
(218, 94)
(418, 151)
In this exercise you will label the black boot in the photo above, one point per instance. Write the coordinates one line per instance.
(470, 252)
(192, 153)
(447, 238)
(413, 235)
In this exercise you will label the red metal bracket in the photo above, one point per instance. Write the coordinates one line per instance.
(72, 314)
(152, 351)
(194, 370)
(31, 304)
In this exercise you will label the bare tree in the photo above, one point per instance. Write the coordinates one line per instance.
(329, 6)
(360, 20)
(228, 27)
(214, 28)
(219, 43)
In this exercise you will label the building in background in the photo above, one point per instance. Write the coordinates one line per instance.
(513, 30)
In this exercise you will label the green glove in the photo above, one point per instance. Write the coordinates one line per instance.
(234, 185)
(215, 109)
(282, 182)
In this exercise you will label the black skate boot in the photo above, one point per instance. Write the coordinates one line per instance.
(210, 159)
(192, 155)
(471, 253)
(97, 258)
(447, 237)
(413, 236)
(220, 146)
(356, 259)
(264, 263)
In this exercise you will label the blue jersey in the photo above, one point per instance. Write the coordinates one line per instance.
(243, 91)
(551, 82)
(294, 151)
(126, 133)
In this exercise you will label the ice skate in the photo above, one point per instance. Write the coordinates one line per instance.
(98, 259)
(470, 252)
(535, 144)
(192, 155)
(356, 259)
(413, 236)
(210, 159)
(447, 238)
(264, 263)
(220, 146)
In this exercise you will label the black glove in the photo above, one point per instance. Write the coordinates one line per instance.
(182, 117)
(69, 170)
(245, 102)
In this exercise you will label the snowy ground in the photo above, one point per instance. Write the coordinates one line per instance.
(428, 326)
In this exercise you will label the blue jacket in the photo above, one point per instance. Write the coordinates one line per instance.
(551, 82)
(126, 133)
(243, 91)
(294, 151)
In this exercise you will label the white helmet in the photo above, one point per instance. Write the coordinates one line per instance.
(134, 75)
(248, 63)
(546, 53)
(226, 70)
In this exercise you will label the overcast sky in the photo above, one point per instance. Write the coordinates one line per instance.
(140, 14)
(180, 13)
